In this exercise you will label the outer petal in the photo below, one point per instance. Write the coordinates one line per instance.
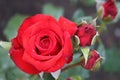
(42, 65)
(32, 20)
(16, 55)
(68, 25)
(68, 47)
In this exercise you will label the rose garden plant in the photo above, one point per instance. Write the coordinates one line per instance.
(45, 45)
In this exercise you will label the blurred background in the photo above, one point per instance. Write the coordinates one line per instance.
(13, 12)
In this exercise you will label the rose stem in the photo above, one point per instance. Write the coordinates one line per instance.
(70, 66)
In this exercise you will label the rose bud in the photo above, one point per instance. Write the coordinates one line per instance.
(108, 10)
(85, 33)
(43, 44)
(94, 61)
(70, 79)
(75, 78)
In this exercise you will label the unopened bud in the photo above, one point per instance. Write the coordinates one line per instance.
(94, 61)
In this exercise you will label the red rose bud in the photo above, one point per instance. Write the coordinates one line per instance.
(75, 78)
(70, 79)
(43, 44)
(85, 33)
(108, 10)
(94, 61)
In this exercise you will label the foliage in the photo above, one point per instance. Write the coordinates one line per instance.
(52, 10)
(112, 63)
(13, 25)
(8, 70)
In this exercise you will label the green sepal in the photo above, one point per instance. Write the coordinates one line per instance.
(85, 51)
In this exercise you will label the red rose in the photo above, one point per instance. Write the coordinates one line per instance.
(85, 33)
(109, 10)
(43, 44)
(93, 62)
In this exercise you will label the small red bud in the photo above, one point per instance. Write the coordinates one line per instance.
(69, 79)
(108, 11)
(94, 61)
(85, 33)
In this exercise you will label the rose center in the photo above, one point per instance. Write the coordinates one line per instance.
(44, 42)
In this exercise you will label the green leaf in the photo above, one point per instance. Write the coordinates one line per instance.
(112, 61)
(77, 16)
(89, 2)
(8, 70)
(102, 51)
(87, 18)
(75, 71)
(13, 25)
(5, 45)
(12, 73)
(9, 75)
(5, 61)
(52, 10)
(85, 51)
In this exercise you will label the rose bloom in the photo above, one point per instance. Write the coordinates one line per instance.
(109, 10)
(94, 61)
(85, 33)
(43, 44)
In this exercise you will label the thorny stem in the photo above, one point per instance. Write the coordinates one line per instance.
(70, 66)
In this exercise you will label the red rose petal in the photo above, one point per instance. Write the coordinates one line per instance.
(16, 56)
(46, 64)
(68, 47)
(58, 65)
(68, 25)
(109, 9)
(28, 22)
(16, 53)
